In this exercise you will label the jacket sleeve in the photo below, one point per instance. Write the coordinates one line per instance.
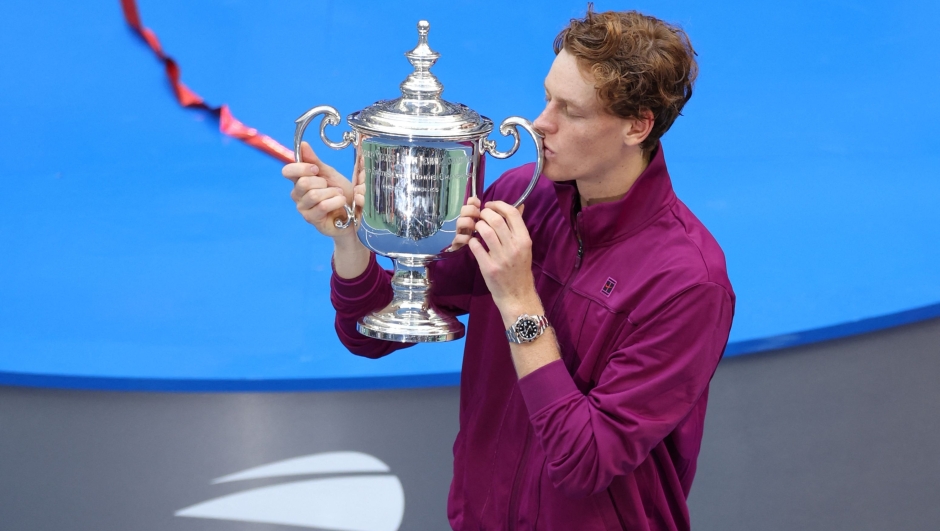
(355, 297)
(452, 281)
(650, 383)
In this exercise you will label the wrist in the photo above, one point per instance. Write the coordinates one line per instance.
(350, 256)
(346, 239)
(529, 304)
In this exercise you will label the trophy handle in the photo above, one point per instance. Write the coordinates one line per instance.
(509, 127)
(330, 117)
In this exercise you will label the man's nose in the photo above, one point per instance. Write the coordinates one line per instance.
(542, 124)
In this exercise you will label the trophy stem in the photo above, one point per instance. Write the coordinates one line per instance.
(410, 317)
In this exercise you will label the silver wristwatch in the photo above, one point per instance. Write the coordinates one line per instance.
(527, 328)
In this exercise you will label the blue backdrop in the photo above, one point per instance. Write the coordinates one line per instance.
(140, 248)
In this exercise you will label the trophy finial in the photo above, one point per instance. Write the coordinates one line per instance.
(422, 84)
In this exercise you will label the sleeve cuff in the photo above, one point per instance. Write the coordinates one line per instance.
(352, 290)
(546, 385)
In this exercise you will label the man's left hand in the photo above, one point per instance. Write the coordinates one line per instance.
(506, 261)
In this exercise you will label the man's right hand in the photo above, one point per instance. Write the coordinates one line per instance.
(320, 193)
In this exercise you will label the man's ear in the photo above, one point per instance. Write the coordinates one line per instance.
(637, 129)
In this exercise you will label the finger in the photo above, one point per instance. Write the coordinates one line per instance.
(360, 178)
(296, 170)
(512, 216)
(327, 209)
(307, 154)
(489, 237)
(359, 195)
(359, 170)
(325, 170)
(470, 211)
(309, 182)
(465, 225)
(495, 220)
(305, 184)
(460, 240)
(482, 257)
(314, 197)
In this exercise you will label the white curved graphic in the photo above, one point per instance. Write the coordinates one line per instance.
(360, 502)
(325, 463)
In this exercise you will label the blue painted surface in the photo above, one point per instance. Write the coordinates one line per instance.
(139, 248)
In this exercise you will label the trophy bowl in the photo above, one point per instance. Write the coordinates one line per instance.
(421, 157)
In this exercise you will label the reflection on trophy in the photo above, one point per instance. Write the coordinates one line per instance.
(421, 156)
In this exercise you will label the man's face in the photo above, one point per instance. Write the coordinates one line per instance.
(583, 141)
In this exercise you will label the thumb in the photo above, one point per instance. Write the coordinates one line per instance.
(307, 154)
(521, 208)
(326, 171)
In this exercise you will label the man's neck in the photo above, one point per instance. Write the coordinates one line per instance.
(615, 185)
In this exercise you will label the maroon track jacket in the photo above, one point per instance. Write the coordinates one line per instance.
(607, 437)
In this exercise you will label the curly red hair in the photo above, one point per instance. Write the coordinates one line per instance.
(640, 64)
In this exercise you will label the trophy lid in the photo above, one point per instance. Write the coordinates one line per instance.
(420, 111)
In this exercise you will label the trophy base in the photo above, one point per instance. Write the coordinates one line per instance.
(411, 317)
(406, 324)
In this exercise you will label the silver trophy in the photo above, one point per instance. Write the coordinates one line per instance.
(421, 156)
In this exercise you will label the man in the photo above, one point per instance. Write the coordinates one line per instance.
(593, 422)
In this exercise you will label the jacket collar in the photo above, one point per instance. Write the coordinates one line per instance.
(606, 223)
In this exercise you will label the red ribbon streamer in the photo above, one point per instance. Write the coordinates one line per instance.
(228, 124)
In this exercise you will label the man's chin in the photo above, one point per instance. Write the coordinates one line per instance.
(552, 174)
(548, 170)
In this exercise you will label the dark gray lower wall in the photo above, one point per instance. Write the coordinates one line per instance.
(110, 461)
(840, 435)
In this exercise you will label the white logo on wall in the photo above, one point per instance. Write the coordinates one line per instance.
(360, 495)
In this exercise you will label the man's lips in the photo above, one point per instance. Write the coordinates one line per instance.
(548, 150)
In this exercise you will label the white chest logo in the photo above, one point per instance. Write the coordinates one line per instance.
(360, 495)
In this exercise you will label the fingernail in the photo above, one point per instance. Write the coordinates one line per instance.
(313, 168)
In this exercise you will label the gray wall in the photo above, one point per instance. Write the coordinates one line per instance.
(109, 461)
(840, 435)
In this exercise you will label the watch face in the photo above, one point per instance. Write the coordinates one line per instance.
(527, 329)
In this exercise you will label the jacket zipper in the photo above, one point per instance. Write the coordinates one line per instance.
(577, 266)
(577, 234)
(514, 495)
